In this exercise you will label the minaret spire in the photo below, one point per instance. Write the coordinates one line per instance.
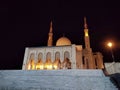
(86, 37)
(85, 23)
(50, 35)
(51, 27)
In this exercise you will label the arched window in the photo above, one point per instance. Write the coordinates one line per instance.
(40, 56)
(57, 55)
(48, 63)
(32, 56)
(48, 56)
(29, 66)
(31, 63)
(57, 63)
(66, 64)
(40, 65)
(66, 55)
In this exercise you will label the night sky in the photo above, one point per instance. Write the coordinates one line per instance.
(26, 24)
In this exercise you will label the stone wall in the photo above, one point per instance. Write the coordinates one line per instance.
(113, 67)
(54, 80)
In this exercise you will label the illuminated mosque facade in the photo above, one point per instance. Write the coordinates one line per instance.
(64, 55)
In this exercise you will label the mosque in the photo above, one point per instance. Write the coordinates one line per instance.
(64, 55)
(65, 66)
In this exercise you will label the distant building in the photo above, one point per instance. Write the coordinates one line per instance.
(112, 67)
(64, 55)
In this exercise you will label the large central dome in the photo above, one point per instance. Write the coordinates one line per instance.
(63, 41)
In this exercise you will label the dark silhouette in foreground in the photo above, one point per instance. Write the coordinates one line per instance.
(115, 78)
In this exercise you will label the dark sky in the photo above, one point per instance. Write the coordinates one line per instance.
(26, 24)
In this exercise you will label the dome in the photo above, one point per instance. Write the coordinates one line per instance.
(63, 41)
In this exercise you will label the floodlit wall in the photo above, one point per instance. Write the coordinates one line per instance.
(113, 67)
(48, 55)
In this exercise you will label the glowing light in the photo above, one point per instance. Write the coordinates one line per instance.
(86, 33)
(110, 44)
(39, 66)
(49, 66)
(42, 67)
(45, 66)
(55, 67)
(33, 67)
(29, 66)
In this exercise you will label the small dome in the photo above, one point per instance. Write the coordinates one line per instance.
(63, 41)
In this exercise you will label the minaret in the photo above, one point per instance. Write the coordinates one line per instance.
(50, 36)
(86, 36)
(88, 55)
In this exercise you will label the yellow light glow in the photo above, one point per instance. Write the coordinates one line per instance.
(41, 67)
(38, 66)
(110, 44)
(49, 66)
(33, 67)
(45, 66)
(29, 66)
(32, 64)
(86, 34)
(55, 66)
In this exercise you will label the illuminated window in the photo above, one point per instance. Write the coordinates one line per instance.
(29, 66)
(48, 65)
(31, 63)
(40, 65)
(66, 55)
(57, 64)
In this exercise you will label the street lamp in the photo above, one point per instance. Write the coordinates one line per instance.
(110, 45)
